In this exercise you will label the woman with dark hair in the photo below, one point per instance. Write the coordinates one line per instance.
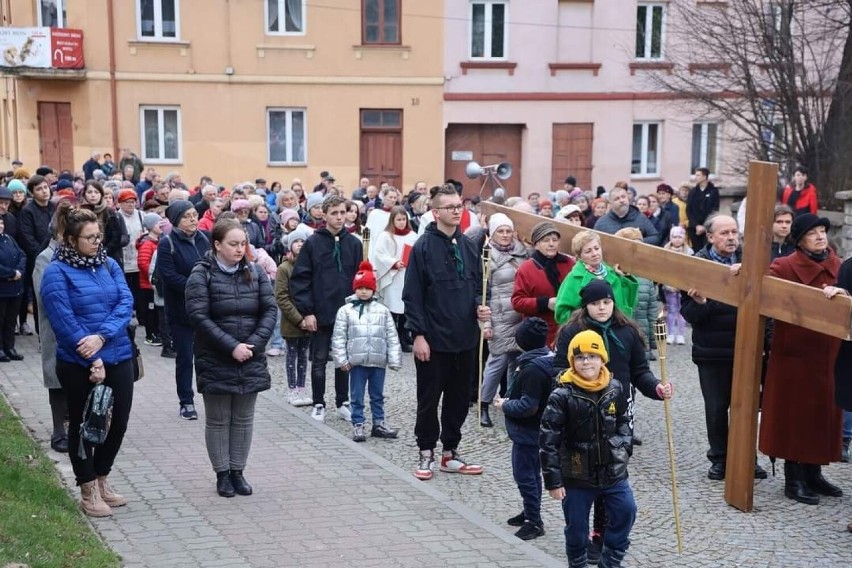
(88, 304)
(658, 218)
(800, 195)
(231, 307)
(115, 233)
(353, 219)
(390, 251)
(800, 422)
(13, 265)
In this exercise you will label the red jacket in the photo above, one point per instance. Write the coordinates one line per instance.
(800, 421)
(806, 201)
(146, 247)
(533, 290)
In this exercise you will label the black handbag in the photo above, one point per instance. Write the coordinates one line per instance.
(97, 416)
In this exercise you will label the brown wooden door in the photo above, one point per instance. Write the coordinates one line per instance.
(486, 144)
(381, 157)
(572, 154)
(381, 146)
(56, 135)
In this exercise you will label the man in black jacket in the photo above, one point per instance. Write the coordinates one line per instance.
(33, 236)
(703, 201)
(714, 329)
(321, 281)
(443, 288)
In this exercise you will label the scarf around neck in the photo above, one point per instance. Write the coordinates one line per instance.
(551, 270)
(606, 331)
(572, 377)
(816, 257)
(361, 304)
(71, 257)
(502, 248)
(401, 232)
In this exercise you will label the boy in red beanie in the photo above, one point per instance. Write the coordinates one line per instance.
(364, 343)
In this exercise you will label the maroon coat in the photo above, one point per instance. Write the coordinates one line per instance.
(800, 420)
(533, 290)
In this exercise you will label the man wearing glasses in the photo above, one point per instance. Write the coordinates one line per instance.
(443, 288)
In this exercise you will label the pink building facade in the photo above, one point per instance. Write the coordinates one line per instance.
(562, 87)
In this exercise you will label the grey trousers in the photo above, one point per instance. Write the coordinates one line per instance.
(228, 430)
(497, 367)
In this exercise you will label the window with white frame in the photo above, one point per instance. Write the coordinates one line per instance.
(286, 136)
(161, 138)
(646, 149)
(650, 31)
(705, 142)
(285, 17)
(51, 13)
(158, 19)
(488, 27)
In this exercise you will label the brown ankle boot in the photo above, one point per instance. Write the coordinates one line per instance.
(91, 501)
(109, 496)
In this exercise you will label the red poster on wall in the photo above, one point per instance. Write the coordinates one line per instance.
(66, 48)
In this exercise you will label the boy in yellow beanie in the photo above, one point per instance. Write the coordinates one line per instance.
(585, 445)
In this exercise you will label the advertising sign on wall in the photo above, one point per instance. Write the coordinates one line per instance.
(41, 48)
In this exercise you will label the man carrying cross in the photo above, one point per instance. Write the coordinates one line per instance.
(714, 327)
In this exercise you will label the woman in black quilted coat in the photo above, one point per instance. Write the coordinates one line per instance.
(232, 310)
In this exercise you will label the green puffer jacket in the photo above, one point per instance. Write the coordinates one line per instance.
(647, 309)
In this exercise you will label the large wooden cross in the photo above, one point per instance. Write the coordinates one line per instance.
(755, 294)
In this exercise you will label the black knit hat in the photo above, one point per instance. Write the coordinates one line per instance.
(531, 334)
(595, 290)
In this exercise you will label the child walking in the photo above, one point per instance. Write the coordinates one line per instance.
(526, 397)
(364, 343)
(647, 307)
(675, 323)
(298, 339)
(586, 427)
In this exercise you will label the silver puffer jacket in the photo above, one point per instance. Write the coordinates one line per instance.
(367, 339)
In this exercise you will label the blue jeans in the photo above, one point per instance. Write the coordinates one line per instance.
(373, 379)
(847, 424)
(277, 342)
(184, 340)
(526, 469)
(620, 512)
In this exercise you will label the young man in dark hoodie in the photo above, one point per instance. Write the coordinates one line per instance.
(443, 288)
(529, 389)
(321, 281)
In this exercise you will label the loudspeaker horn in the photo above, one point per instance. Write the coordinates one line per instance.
(473, 170)
(503, 170)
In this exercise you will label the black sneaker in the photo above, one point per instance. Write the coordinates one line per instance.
(382, 430)
(168, 352)
(759, 472)
(59, 445)
(187, 412)
(530, 531)
(153, 340)
(517, 520)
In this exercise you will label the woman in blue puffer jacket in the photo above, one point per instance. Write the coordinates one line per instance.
(89, 306)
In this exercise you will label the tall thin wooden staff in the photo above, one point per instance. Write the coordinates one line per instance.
(661, 333)
(365, 240)
(486, 272)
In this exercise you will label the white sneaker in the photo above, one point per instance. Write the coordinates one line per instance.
(680, 341)
(670, 339)
(318, 413)
(304, 398)
(344, 413)
(293, 397)
(273, 352)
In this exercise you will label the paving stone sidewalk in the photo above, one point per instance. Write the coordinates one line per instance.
(322, 500)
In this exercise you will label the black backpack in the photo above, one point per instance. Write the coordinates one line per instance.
(97, 416)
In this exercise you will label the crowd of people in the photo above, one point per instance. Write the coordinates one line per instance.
(223, 277)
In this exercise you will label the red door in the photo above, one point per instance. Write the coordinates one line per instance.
(56, 138)
(486, 144)
(381, 146)
(572, 154)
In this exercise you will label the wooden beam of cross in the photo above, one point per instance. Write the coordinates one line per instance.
(755, 294)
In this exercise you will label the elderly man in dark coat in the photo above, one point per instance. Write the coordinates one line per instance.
(800, 421)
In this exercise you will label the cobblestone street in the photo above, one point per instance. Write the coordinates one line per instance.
(322, 500)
